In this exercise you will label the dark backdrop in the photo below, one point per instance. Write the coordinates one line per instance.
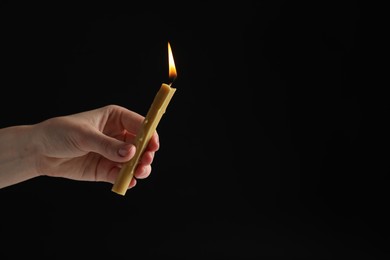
(274, 144)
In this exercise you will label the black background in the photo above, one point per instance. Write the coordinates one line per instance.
(274, 145)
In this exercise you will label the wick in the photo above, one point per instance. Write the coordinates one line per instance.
(172, 80)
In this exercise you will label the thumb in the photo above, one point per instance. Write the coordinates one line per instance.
(111, 148)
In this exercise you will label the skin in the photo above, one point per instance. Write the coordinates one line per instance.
(86, 146)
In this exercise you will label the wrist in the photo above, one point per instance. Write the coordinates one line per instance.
(17, 156)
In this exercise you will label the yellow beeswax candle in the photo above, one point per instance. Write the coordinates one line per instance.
(149, 125)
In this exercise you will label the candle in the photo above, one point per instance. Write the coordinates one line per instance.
(149, 125)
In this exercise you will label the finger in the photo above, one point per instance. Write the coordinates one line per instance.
(130, 120)
(111, 174)
(154, 143)
(133, 182)
(147, 158)
(143, 171)
(111, 148)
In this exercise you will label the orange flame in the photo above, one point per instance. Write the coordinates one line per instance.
(172, 68)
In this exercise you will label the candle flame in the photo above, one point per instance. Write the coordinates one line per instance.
(172, 68)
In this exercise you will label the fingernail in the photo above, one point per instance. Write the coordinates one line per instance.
(123, 152)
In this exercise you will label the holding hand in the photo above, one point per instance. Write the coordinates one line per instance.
(87, 146)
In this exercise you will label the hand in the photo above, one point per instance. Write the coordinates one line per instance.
(87, 146)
